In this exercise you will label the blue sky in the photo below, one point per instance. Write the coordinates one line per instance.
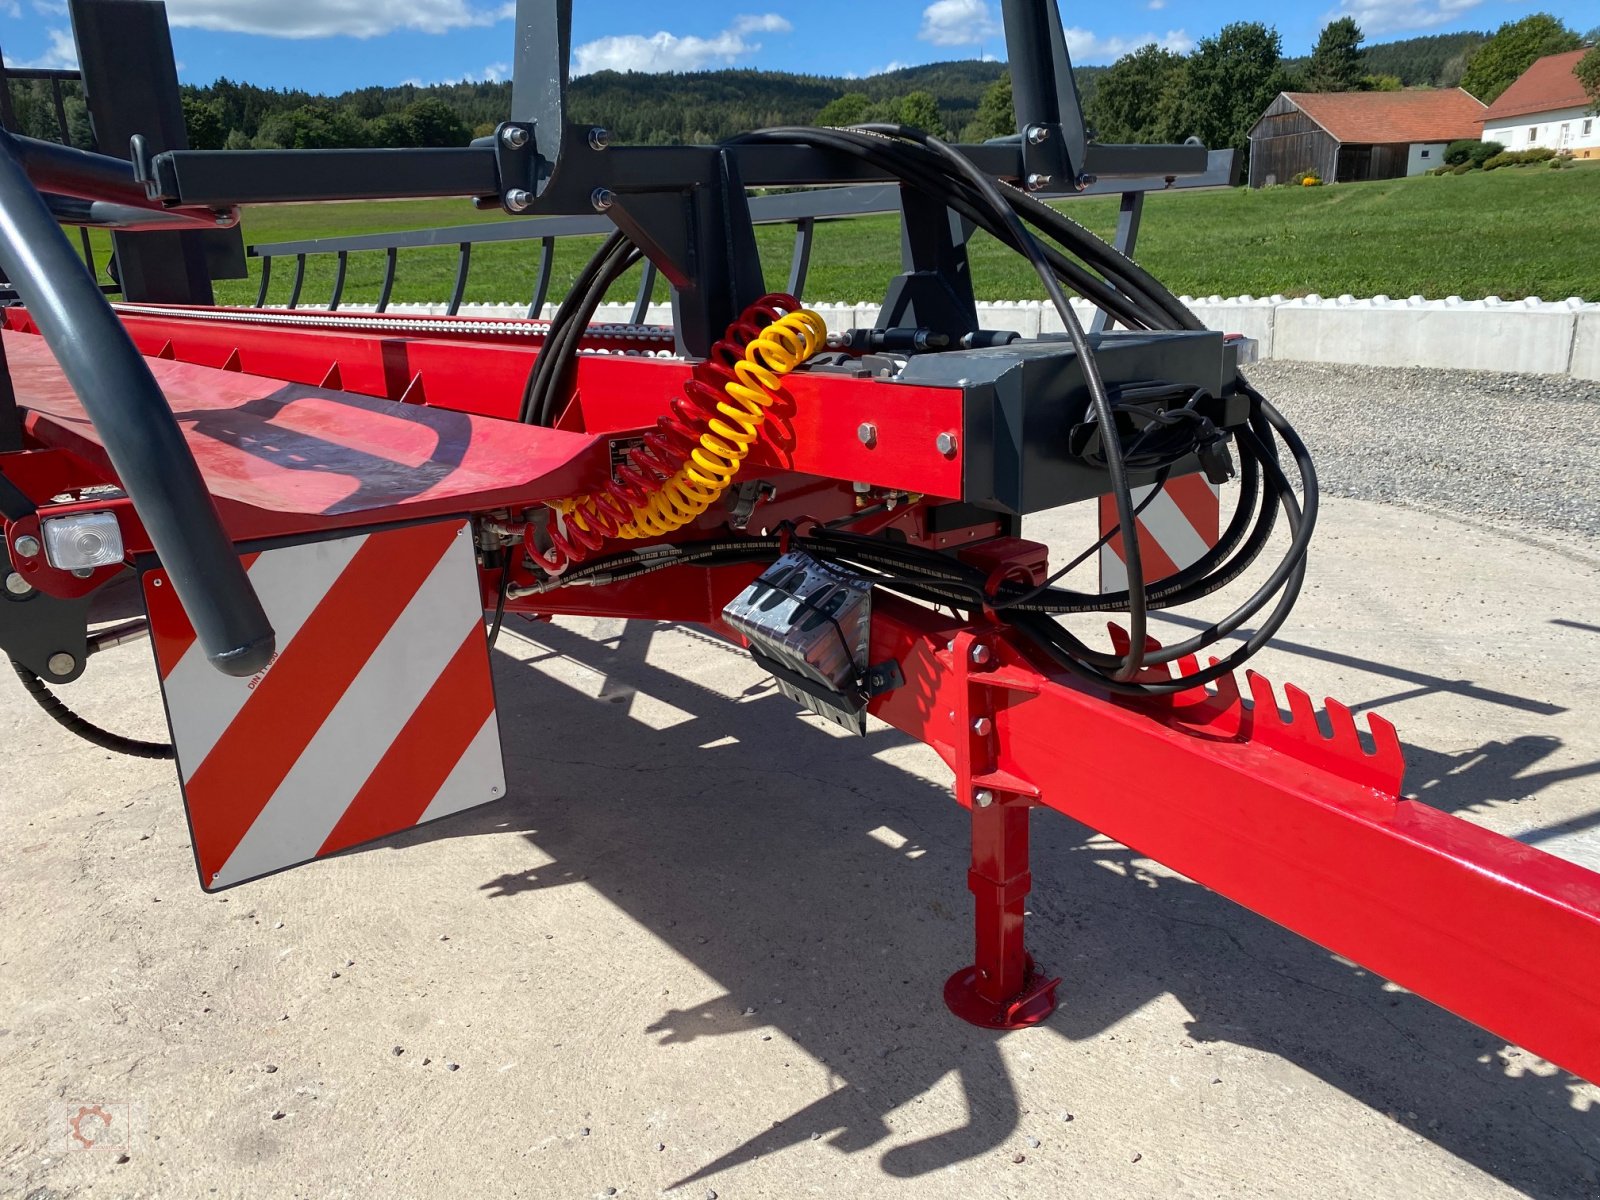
(331, 45)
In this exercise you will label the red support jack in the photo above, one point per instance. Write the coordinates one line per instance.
(1002, 989)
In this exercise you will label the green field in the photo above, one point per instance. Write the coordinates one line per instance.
(1510, 233)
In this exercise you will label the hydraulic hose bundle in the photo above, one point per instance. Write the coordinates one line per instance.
(696, 449)
(1063, 255)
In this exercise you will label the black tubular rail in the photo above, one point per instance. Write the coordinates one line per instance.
(8, 117)
(147, 449)
(802, 209)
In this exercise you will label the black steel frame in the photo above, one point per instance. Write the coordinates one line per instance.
(801, 209)
(686, 207)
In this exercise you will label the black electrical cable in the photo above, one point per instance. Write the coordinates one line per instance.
(1121, 489)
(500, 604)
(87, 730)
(1070, 255)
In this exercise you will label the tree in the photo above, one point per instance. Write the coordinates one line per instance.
(202, 119)
(1515, 47)
(1588, 73)
(848, 109)
(1337, 62)
(1226, 85)
(921, 111)
(1127, 104)
(1381, 83)
(432, 122)
(997, 112)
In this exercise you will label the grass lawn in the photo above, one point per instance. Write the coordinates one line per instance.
(1511, 233)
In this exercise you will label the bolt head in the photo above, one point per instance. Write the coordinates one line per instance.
(1038, 134)
(981, 653)
(1087, 181)
(26, 546)
(860, 488)
(599, 138)
(62, 664)
(868, 433)
(602, 199)
(518, 199)
(983, 726)
(1035, 182)
(945, 443)
(514, 137)
(17, 585)
(983, 797)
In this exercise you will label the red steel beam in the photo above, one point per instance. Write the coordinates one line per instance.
(1307, 830)
(485, 375)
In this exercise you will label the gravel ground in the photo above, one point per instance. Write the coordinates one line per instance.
(1517, 450)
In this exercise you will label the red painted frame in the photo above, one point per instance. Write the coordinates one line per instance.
(1308, 830)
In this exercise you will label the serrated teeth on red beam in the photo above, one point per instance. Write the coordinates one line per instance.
(1339, 751)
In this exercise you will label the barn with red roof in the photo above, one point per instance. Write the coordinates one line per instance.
(1349, 136)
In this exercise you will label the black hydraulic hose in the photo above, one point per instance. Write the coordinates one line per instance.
(1076, 257)
(552, 369)
(147, 449)
(87, 730)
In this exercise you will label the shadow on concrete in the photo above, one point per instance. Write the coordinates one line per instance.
(1493, 773)
(754, 844)
(1422, 683)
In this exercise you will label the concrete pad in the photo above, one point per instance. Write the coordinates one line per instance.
(701, 944)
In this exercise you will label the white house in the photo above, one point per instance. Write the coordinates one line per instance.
(1546, 106)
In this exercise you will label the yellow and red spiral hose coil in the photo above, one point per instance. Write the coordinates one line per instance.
(694, 452)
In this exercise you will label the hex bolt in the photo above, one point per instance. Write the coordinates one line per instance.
(868, 433)
(17, 585)
(983, 726)
(514, 137)
(983, 797)
(61, 664)
(1037, 181)
(1038, 134)
(602, 199)
(860, 488)
(599, 138)
(981, 653)
(945, 443)
(26, 546)
(518, 199)
(1087, 181)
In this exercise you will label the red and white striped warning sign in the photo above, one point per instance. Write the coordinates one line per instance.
(1179, 526)
(376, 714)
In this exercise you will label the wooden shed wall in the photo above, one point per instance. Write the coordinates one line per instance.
(1285, 142)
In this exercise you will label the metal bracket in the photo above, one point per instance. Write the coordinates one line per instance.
(1055, 142)
(46, 634)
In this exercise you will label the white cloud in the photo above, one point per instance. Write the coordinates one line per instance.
(664, 51)
(51, 8)
(1087, 46)
(329, 18)
(12, 8)
(60, 55)
(765, 23)
(958, 23)
(1396, 16)
(1156, 5)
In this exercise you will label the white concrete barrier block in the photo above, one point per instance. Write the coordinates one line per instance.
(1586, 344)
(1486, 338)
(1252, 318)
